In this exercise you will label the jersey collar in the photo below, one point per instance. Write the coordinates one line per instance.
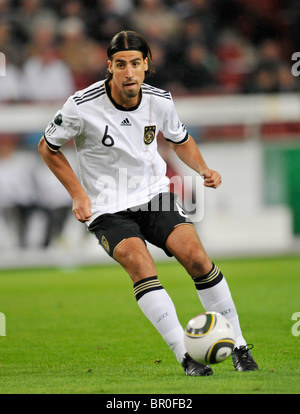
(116, 105)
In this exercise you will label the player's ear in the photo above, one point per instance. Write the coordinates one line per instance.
(146, 65)
(109, 66)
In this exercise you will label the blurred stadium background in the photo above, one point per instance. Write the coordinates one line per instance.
(228, 64)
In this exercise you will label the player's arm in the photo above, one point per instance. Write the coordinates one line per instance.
(61, 168)
(190, 154)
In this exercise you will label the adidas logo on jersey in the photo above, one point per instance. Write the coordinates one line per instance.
(125, 122)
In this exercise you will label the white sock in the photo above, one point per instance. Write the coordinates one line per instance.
(158, 307)
(215, 296)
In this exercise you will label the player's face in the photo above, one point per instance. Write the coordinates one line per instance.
(128, 70)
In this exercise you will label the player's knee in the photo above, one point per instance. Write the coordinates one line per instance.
(197, 262)
(136, 261)
(131, 258)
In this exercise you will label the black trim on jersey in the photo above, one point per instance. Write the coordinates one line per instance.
(147, 92)
(151, 90)
(180, 142)
(51, 146)
(115, 104)
(90, 95)
(88, 92)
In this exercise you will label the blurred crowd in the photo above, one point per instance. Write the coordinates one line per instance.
(34, 207)
(54, 47)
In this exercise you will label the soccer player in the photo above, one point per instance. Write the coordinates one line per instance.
(123, 193)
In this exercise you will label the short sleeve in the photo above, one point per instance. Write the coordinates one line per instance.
(173, 129)
(65, 125)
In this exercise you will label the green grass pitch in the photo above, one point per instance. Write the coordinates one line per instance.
(80, 331)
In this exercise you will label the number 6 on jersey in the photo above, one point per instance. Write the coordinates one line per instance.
(107, 140)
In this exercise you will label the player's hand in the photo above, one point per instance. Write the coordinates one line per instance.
(211, 178)
(82, 208)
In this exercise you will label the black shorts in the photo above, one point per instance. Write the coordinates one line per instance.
(152, 222)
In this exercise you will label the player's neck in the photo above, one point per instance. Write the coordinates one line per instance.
(121, 100)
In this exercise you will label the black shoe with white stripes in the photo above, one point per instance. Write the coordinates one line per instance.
(194, 369)
(243, 360)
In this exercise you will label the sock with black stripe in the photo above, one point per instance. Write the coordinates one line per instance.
(158, 307)
(215, 296)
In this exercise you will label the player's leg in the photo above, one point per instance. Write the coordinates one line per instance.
(153, 299)
(210, 283)
(166, 225)
(212, 288)
(135, 258)
(121, 238)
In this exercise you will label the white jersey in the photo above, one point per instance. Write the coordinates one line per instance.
(118, 161)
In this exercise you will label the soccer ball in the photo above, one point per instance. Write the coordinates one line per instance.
(209, 338)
